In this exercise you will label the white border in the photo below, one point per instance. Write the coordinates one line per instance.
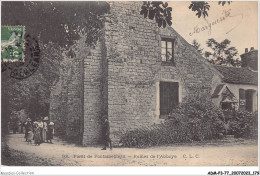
(122, 170)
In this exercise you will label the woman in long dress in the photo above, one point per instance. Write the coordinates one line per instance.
(28, 127)
(44, 131)
(29, 137)
(40, 124)
(37, 135)
(50, 131)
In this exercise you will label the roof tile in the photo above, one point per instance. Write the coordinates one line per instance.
(238, 75)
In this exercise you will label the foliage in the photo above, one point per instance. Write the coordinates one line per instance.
(57, 26)
(223, 53)
(195, 120)
(57, 22)
(244, 124)
(197, 46)
(158, 10)
(202, 7)
(198, 109)
(162, 13)
(33, 93)
(224, 2)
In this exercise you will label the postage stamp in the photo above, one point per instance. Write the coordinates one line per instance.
(12, 43)
(29, 65)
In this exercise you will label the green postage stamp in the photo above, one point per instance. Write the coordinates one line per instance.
(12, 43)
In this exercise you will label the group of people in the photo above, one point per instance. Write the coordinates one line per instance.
(41, 131)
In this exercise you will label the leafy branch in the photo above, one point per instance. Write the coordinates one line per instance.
(158, 10)
(202, 7)
(161, 12)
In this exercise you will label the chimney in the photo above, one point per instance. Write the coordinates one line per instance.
(250, 59)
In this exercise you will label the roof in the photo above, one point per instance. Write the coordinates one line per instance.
(249, 52)
(238, 75)
(217, 90)
(227, 95)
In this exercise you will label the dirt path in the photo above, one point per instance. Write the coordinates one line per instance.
(242, 153)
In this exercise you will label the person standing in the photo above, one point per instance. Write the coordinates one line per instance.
(30, 137)
(28, 127)
(21, 127)
(37, 134)
(16, 125)
(8, 126)
(44, 129)
(50, 132)
(107, 140)
(40, 125)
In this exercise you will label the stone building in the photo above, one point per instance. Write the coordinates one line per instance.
(239, 86)
(134, 76)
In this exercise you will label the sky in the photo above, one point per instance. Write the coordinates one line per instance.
(240, 24)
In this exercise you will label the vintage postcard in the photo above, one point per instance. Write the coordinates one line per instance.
(130, 83)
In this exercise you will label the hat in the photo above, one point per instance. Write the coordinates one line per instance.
(51, 123)
(46, 118)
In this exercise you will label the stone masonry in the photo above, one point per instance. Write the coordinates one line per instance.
(121, 74)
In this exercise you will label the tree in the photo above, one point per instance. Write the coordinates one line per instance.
(160, 11)
(57, 26)
(222, 53)
(202, 7)
(197, 46)
(58, 22)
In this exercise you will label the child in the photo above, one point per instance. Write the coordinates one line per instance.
(29, 137)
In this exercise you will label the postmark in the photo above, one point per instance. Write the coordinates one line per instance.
(22, 70)
(12, 43)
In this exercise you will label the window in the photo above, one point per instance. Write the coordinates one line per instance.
(167, 51)
(226, 106)
(249, 100)
(242, 99)
(169, 97)
(246, 100)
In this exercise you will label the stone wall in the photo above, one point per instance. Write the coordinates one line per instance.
(95, 93)
(135, 69)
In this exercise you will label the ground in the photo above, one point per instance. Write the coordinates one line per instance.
(15, 151)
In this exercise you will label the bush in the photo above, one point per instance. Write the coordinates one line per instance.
(244, 124)
(144, 137)
(197, 119)
(201, 116)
